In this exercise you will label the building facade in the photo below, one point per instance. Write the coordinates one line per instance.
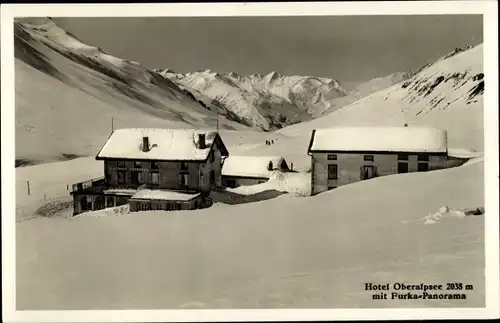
(341, 156)
(154, 169)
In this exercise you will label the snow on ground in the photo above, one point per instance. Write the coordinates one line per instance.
(164, 195)
(112, 211)
(289, 182)
(280, 253)
(51, 182)
(252, 166)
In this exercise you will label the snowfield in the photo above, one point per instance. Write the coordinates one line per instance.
(287, 252)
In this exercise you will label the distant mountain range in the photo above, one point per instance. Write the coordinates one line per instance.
(68, 94)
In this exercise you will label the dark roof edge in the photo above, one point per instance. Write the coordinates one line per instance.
(380, 152)
(311, 141)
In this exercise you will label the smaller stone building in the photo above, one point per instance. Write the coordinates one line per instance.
(250, 170)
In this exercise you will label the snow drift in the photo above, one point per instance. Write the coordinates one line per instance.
(287, 252)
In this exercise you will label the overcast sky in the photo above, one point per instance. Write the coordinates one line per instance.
(346, 48)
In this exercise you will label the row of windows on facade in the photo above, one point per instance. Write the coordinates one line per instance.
(153, 178)
(145, 206)
(372, 157)
(154, 165)
(100, 203)
(183, 178)
(368, 171)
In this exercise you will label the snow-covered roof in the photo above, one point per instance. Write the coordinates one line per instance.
(387, 139)
(251, 166)
(463, 153)
(165, 195)
(120, 191)
(164, 144)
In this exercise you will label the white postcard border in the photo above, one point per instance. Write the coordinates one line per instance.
(490, 18)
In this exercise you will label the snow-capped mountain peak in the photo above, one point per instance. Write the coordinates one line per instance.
(267, 101)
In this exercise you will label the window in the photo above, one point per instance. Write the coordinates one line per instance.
(403, 157)
(120, 164)
(332, 172)
(368, 157)
(423, 158)
(183, 179)
(134, 177)
(120, 200)
(212, 177)
(155, 178)
(332, 157)
(140, 177)
(402, 168)
(154, 165)
(121, 177)
(211, 157)
(137, 164)
(184, 166)
(144, 206)
(110, 201)
(423, 167)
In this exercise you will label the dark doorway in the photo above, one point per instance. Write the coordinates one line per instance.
(402, 168)
(99, 202)
(367, 172)
(423, 167)
(231, 183)
(86, 203)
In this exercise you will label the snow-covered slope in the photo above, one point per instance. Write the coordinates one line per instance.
(67, 94)
(267, 101)
(447, 94)
(287, 252)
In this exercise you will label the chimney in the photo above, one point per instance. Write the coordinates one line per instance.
(201, 141)
(270, 166)
(145, 144)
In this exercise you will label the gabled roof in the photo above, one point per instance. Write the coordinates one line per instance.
(379, 139)
(165, 144)
(251, 166)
